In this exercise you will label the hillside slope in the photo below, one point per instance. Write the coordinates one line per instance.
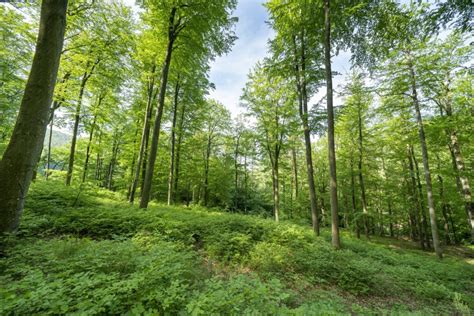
(103, 256)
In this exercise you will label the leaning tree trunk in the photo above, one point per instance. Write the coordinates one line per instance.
(173, 144)
(26, 143)
(331, 144)
(465, 187)
(145, 198)
(426, 166)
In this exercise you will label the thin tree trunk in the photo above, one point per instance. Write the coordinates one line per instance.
(173, 142)
(361, 177)
(48, 161)
(91, 135)
(424, 151)
(145, 136)
(85, 77)
(353, 195)
(424, 220)
(178, 149)
(276, 193)
(206, 170)
(134, 159)
(331, 143)
(418, 204)
(466, 189)
(112, 163)
(145, 198)
(294, 167)
(303, 111)
(236, 171)
(26, 143)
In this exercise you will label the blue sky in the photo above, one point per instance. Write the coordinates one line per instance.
(229, 72)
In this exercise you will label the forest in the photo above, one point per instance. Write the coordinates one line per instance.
(126, 187)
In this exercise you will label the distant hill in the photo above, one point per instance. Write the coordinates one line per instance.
(58, 139)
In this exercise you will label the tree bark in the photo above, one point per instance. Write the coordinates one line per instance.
(26, 143)
(361, 177)
(173, 143)
(276, 189)
(331, 143)
(145, 198)
(178, 149)
(236, 171)
(424, 152)
(48, 160)
(145, 136)
(300, 71)
(91, 136)
(85, 77)
(206, 170)
(465, 187)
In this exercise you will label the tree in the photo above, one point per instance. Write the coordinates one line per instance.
(26, 143)
(269, 100)
(208, 27)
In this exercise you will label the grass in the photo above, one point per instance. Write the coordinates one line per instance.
(103, 256)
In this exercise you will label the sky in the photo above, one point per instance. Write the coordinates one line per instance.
(229, 72)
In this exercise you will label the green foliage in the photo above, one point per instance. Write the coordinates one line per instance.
(105, 257)
(239, 295)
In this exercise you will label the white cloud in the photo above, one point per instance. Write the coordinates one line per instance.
(229, 72)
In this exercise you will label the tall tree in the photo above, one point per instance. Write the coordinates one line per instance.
(26, 143)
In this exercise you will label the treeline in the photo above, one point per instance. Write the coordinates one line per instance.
(392, 159)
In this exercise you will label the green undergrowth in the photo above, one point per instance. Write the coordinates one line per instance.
(86, 251)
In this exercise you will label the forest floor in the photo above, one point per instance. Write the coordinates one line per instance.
(87, 251)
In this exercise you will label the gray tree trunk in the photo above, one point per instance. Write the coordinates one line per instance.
(426, 167)
(26, 143)
(331, 143)
(146, 192)
(145, 136)
(173, 143)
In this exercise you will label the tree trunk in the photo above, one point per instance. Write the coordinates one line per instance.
(113, 160)
(48, 161)
(466, 189)
(173, 142)
(353, 196)
(331, 144)
(424, 221)
(26, 143)
(85, 77)
(134, 158)
(236, 171)
(418, 204)
(145, 135)
(145, 198)
(361, 177)
(91, 135)
(294, 167)
(424, 151)
(276, 193)
(206, 170)
(300, 70)
(178, 149)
